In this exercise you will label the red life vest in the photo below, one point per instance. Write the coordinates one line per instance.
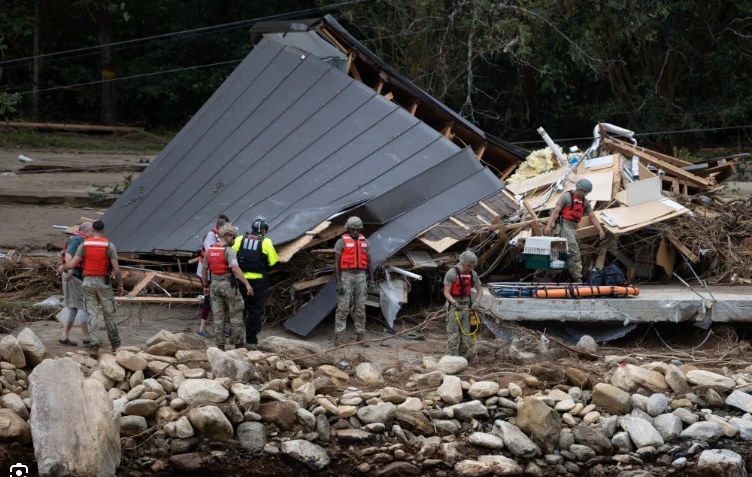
(217, 260)
(202, 252)
(65, 248)
(96, 263)
(355, 254)
(462, 284)
(575, 211)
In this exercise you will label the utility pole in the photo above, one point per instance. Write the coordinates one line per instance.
(37, 65)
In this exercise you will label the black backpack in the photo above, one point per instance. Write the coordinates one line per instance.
(595, 277)
(613, 276)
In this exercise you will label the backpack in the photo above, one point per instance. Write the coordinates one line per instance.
(595, 277)
(613, 276)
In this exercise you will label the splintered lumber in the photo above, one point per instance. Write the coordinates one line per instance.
(158, 300)
(71, 127)
(168, 277)
(286, 251)
(681, 247)
(306, 284)
(534, 223)
(140, 285)
(653, 159)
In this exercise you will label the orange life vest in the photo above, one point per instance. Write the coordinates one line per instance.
(96, 263)
(202, 252)
(462, 284)
(355, 254)
(575, 211)
(217, 260)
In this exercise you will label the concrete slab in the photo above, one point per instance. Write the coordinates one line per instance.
(656, 303)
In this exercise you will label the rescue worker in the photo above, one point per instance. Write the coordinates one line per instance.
(73, 289)
(458, 284)
(227, 303)
(569, 210)
(210, 239)
(99, 257)
(256, 255)
(352, 270)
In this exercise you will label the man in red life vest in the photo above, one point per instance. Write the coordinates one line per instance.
(352, 269)
(227, 303)
(572, 206)
(99, 257)
(458, 284)
(210, 239)
(73, 289)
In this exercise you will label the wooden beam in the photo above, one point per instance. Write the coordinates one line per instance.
(480, 150)
(489, 210)
(534, 224)
(158, 299)
(413, 107)
(681, 247)
(379, 86)
(287, 250)
(306, 284)
(194, 283)
(652, 159)
(447, 131)
(459, 223)
(140, 285)
(353, 70)
(334, 40)
(508, 171)
(616, 184)
(389, 96)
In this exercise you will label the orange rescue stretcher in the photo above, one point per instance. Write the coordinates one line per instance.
(577, 291)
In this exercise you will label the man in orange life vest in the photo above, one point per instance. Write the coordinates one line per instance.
(572, 206)
(210, 239)
(458, 284)
(227, 303)
(73, 288)
(99, 257)
(352, 269)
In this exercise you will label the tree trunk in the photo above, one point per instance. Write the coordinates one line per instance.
(109, 98)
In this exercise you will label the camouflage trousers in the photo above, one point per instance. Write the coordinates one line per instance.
(98, 293)
(457, 343)
(568, 230)
(227, 306)
(355, 293)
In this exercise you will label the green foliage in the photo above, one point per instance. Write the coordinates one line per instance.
(104, 194)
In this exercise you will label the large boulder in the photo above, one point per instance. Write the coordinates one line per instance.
(611, 398)
(11, 351)
(641, 432)
(314, 354)
(88, 442)
(740, 400)
(515, 440)
(630, 378)
(109, 366)
(247, 396)
(197, 391)
(32, 347)
(130, 361)
(14, 402)
(540, 422)
(452, 364)
(369, 374)
(312, 455)
(225, 365)
(211, 422)
(721, 463)
(698, 377)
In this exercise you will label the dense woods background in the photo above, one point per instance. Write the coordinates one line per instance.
(649, 65)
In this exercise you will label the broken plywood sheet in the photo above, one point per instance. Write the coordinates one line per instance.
(420, 259)
(602, 183)
(597, 163)
(534, 183)
(289, 249)
(640, 192)
(623, 217)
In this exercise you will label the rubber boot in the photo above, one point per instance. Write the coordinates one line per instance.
(361, 337)
(339, 339)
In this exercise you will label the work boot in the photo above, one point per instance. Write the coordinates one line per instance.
(94, 352)
(115, 347)
(221, 347)
(339, 339)
(359, 337)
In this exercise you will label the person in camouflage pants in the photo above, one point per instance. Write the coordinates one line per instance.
(96, 292)
(227, 306)
(459, 282)
(352, 269)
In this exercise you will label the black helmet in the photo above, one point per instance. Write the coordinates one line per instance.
(259, 224)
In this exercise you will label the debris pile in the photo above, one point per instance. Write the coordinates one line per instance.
(170, 407)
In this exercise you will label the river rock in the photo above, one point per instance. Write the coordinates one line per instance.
(676, 379)
(500, 465)
(588, 344)
(744, 426)
(468, 411)
(398, 469)
(73, 446)
(452, 364)
(369, 374)
(11, 351)
(515, 440)
(312, 455)
(198, 391)
(312, 354)
(669, 426)
(641, 432)
(698, 377)
(593, 438)
(450, 390)
(211, 422)
(132, 425)
(622, 443)
(281, 414)
(471, 468)
(611, 398)
(393, 395)
(415, 422)
(488, 441)
(703, 431)
(14, 402)
(740, 400)
(252, 436)
(722, 463)
(542, 423)
(483, 389)
(13, 428)
(431, 380)
(130, 361)
(582, 453)
(687, 417)
(630, 377)
(247, 396)
(657, 404)
(382, 413)
(32, 347)
(411, 404)
(141, 407)
(226, 365)
(180, 428)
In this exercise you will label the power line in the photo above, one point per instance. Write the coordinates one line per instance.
(677, 131)
(202, 30)
(155, 73)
